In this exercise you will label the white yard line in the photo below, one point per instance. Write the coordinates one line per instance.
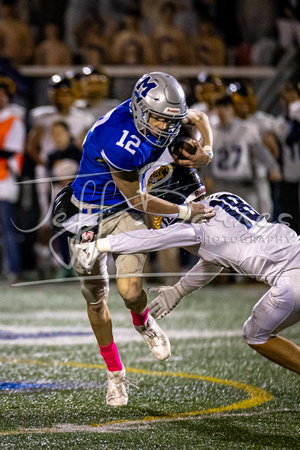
(75, 315)
(62, 336)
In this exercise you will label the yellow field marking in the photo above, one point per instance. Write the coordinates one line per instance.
(256, 396)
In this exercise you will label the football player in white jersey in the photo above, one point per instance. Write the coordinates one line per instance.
(238, 237)
(62, 109)
(238, 151)
(208, 89)
(272, 130)
(281, 136)
(93, 88)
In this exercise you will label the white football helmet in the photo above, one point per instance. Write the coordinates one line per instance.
(159, 94)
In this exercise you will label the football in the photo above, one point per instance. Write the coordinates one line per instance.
(184, 140)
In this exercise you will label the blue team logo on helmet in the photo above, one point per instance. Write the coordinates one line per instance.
(143, 87)
(160, 95)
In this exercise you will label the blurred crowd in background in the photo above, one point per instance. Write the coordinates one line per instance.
(208, 32)
(42, 125)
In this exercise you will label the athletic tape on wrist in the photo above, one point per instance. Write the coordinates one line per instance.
(103, 245)
(184, 212)
(180, 289)
(209, 151)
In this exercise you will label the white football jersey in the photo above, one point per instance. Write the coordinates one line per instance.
(45, 116)
(99, 109)
(290, 159)
(237, 237)
(268, 122)
(232, 151)
(294, 110)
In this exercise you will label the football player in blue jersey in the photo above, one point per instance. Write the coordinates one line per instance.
(107, 195)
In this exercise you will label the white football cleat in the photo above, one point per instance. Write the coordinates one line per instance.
(116, 388)
(156, 339)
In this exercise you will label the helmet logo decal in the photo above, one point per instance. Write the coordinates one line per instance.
(144, 86)
(159, 174)
(172, 110)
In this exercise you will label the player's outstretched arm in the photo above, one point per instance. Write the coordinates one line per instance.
(170, 296)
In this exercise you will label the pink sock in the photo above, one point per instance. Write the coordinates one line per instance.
(140, 319)
(111, 356)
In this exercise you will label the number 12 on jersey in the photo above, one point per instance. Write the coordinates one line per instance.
(130, 144)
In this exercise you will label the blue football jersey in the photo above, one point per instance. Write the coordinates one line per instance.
(113, 143)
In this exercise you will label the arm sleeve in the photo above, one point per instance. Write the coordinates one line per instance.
(177, 235)
(200, 275)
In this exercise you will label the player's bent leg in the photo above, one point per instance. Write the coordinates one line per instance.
(96, 297)
(156, 339)
(136, 300)
(281, 351)
(131, 290)
(95, 288)
(277, 310)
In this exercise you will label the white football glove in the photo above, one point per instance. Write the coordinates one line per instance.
(87, 255)
(169, 297)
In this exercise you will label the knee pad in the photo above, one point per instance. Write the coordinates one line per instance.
(95, 292)
(253, 335)
(246, 331)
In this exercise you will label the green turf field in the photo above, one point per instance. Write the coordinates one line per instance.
(213, 393)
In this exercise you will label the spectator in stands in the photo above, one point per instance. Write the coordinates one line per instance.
(290, 157)
(111, 11)
(166, 30)
(208, 46)
(65, 153)
(258, 43)
(168, 53)
(62, 164)
(12, 144)
(52, 51)
(93, 91)
(40, 143)
(254, 24)
(269, 129)
(208, 89)
(185, 14)
(17, 43)
(288, 23)
(92, 41)
(131, 45)
(22, 83)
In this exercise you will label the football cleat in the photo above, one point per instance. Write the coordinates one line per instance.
(156, 339)
(116, 388)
